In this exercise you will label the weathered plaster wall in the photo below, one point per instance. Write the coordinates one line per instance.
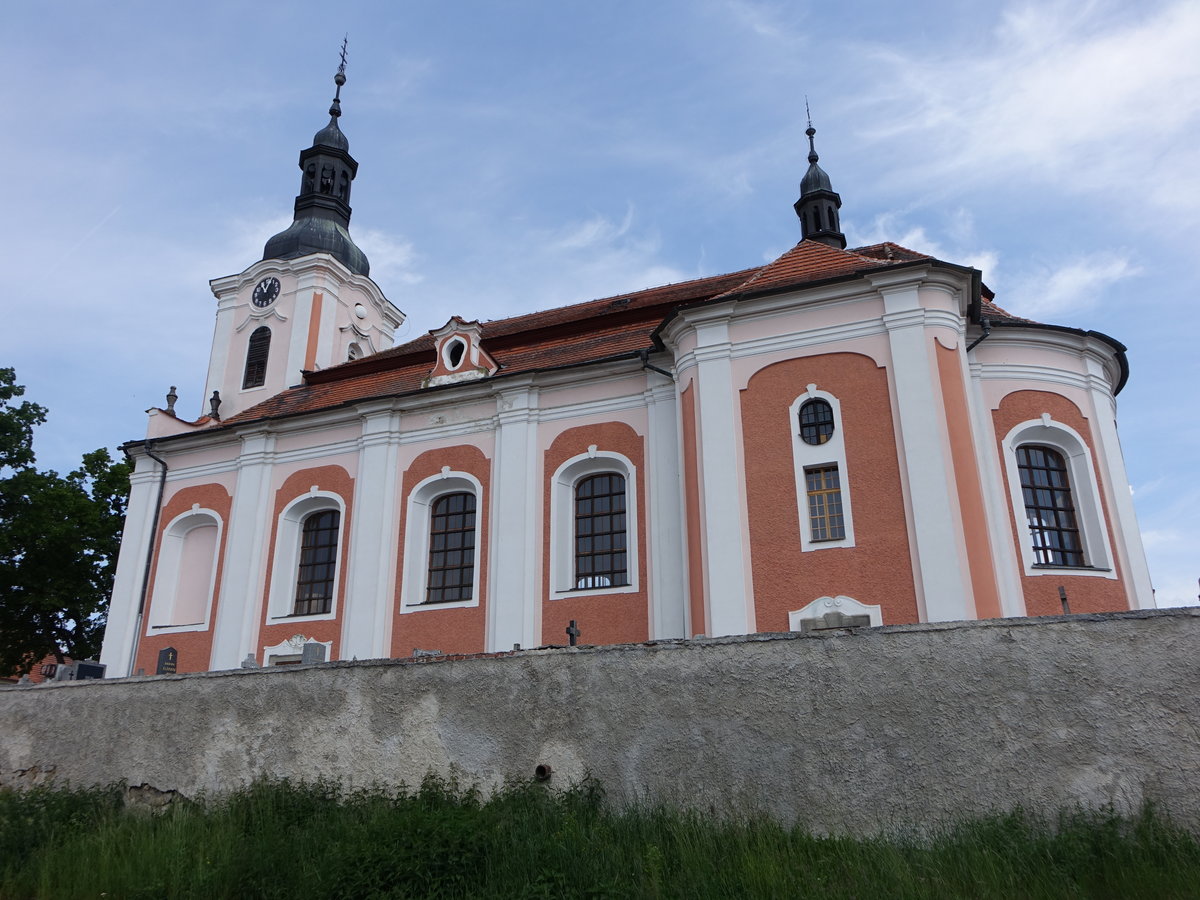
(875, 729)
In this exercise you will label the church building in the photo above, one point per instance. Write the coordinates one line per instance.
(841, 437)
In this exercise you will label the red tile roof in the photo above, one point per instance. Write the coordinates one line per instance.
(812, 261)
(570, 335)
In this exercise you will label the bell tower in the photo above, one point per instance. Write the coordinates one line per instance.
(309, 303)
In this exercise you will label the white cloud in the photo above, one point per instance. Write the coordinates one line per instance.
(535, 267)
(1091, 97)
(393, 260)
(761, 18)
(1067, 287)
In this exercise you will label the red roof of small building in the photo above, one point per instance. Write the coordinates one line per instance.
(597, 330)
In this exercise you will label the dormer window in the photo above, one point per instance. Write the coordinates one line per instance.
(460, 356)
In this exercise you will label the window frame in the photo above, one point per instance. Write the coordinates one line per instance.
(414, 576)
(439, 515)
(319, 529)
(1085, 496)
(167, 570)
(286, 562)
(562, 522)
(826, 492)
(806, 456)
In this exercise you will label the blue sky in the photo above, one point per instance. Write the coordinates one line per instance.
(523, 155)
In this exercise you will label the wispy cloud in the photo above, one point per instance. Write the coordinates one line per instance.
(1070, 286)
(1065, 94)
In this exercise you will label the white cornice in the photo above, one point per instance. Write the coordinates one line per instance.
(1082, 346)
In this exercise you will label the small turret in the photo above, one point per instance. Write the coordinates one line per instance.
(818, 204)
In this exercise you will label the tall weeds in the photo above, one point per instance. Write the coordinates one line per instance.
(276, 839)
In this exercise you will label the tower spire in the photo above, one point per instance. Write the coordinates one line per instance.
(818, 204)
(335, 109)
(322, 210)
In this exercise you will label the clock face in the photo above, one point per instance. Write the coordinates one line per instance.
(266, 292)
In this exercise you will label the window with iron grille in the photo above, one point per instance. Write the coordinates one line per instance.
(451, 549)
(256, 358)
(601, 554)
(318, 562)
(825, 518)
(816, 422)
(1049, 508)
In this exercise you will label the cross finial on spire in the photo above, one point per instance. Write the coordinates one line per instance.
(339, 79)
(810, 131)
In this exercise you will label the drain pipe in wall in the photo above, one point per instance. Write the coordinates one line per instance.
(987, 330)
(644, 356)
(162, 486)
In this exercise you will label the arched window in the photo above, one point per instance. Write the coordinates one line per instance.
(1052, 480)
(594, 525)
(257, 351)
(318, 562)
(1049, 507)
(445, 532)
(185, 578)
(354, 351)
(451, 549)
(601, 551)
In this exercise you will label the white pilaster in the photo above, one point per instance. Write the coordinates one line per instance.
(240, 608)
(375, 522)
(308, 283)
(1111, 461)
(327, 327)
(121, 633)
(218, 360)
(944, 580)
(665, 563)
(996, 501)
(726, 551)
(514, 594)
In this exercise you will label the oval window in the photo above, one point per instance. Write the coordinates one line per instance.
(455, 353)
(816, 422)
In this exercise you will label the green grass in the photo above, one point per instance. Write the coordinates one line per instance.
(293, 841)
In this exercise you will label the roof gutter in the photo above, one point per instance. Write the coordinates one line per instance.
(1119, 349)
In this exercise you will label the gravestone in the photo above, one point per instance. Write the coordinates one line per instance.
(87, 669)
(312, 653)
(168, 661)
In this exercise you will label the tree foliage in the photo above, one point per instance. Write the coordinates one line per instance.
(59, 538)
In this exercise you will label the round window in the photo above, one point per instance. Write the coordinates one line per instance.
(816, 422)
(455, 353)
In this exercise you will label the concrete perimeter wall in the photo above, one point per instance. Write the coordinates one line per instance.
(874, 729)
